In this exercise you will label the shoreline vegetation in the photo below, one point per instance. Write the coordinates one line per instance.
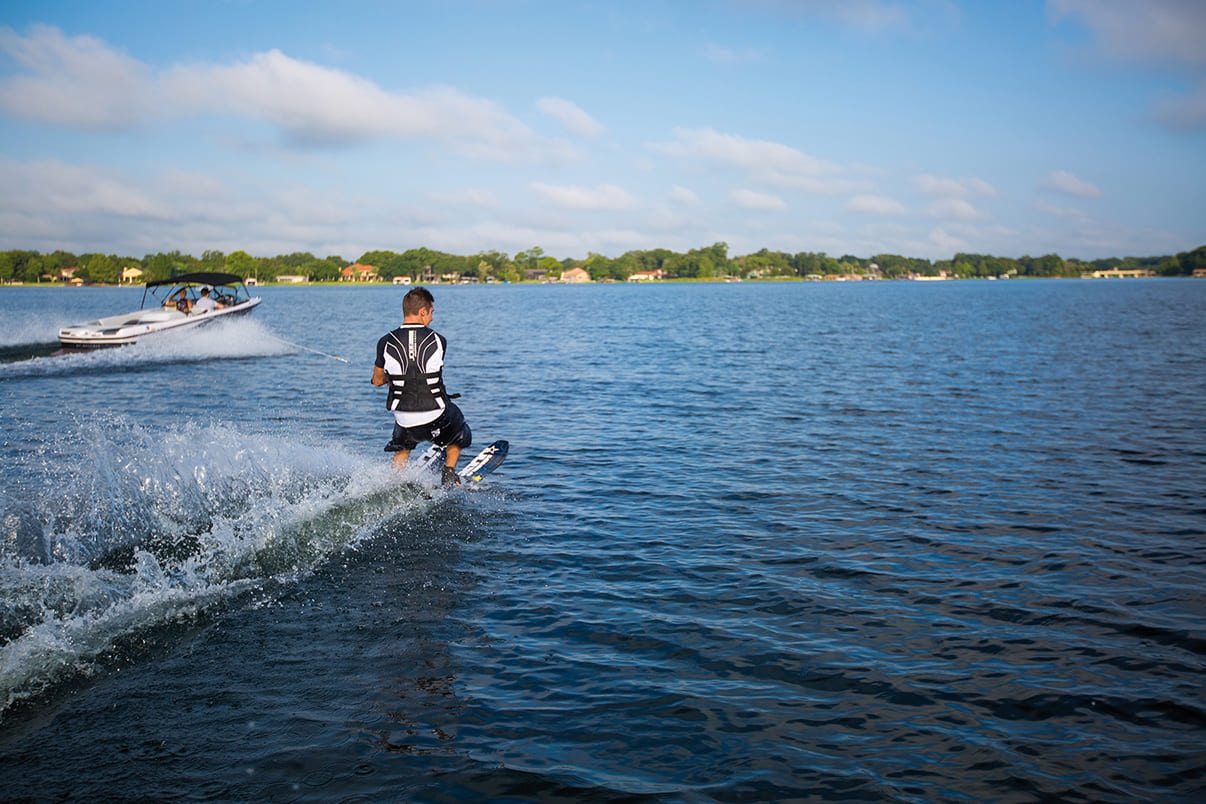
(712, 263)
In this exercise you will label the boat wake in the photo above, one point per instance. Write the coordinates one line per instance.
(26, 336)
(152, 529)
(237, 338)
(25, 329)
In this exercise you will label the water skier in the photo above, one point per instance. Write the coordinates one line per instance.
(410, 359)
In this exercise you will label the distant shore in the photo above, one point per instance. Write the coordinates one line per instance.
(691, 280)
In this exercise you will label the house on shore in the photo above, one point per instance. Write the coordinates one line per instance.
(645, 276)
(575, 275)
(359, 273)
(1122, 273)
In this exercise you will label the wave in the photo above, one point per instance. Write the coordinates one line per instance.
(151, 528)
(230, 340)
(25, 329)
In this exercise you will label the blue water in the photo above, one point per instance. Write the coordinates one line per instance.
(754, 542)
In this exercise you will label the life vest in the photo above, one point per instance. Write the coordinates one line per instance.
(416, 389)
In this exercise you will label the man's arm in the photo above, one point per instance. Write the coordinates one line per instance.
(379, 376)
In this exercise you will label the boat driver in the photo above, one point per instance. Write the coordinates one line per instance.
(205, 303)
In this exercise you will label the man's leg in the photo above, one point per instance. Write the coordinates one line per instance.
(464, 436)
(400, 459)
(397, 441)
(449, 477)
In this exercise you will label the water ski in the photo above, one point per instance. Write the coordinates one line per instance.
(486, 461)
(432, 459)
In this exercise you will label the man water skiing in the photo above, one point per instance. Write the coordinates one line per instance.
(410, 359)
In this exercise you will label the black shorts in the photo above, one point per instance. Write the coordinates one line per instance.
(445, 431)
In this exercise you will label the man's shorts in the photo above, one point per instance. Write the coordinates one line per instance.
(445, 431)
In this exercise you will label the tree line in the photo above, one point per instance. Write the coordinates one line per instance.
(700, 263)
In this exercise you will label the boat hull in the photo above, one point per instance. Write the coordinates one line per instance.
(123, 330)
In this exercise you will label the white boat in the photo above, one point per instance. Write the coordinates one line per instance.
(172, 307)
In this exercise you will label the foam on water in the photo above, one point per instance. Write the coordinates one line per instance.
(223, 340)
(24, 328)
(148, 528)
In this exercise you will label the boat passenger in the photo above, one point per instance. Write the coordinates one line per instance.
(179, 300)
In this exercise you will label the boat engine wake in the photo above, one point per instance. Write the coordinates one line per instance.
(233, 339)
(151, 529)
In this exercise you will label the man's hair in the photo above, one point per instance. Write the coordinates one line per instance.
(416, 300)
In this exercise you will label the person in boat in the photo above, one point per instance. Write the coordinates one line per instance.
(205, 303)
(410, 360)
(179, 300)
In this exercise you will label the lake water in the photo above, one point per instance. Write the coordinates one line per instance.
(754, 542)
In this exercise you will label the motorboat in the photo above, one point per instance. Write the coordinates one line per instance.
(168, 305)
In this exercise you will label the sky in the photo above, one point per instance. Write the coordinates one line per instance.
(914, 127)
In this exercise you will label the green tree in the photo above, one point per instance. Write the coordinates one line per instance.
(240, 263)
(157, 266)
(214, 261)
(100, 268)
(1191, 261)
(267, 269)
(852, 264)
(327, 270)
(599, 267)
(529, 260)
(54, 262)
(31, 271)
(894, 266)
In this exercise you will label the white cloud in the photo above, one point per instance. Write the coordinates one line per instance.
(1154, 31)
(52, 204)
(817, 185)
(758, 156)
(78, 82)
(765, 162)
(1072, 213)
(1061, 181)
(719, 54)
(953, 208)
(571, 116)
(1160, 33)
(953, 188)
(317, 104)
(870, 16)
(1184, 111)
(83, 83)
(469, 197)
(875, 205)
(52, 188)
(683, 196)
(750, 199)
(946, 243)
(602, 197)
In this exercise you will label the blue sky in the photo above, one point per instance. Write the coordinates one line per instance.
(915, 127)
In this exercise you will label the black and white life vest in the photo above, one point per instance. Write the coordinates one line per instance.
(409, 351)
